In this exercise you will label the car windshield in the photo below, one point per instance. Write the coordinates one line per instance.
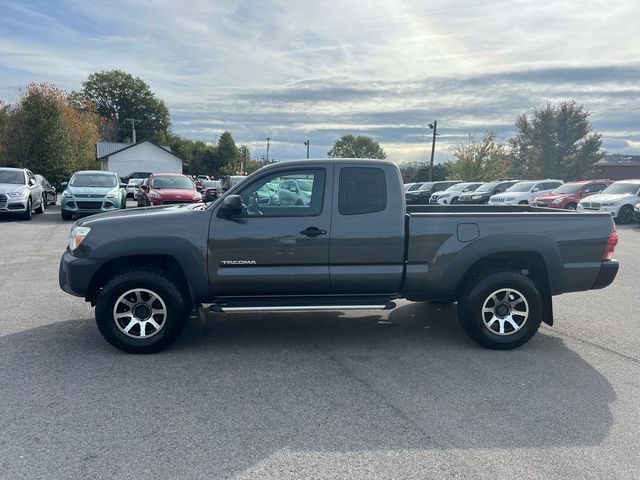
(521, 187)
(487, 187)
(426, 186)
(415, 186)
(93, 180)
(568, 188)
(622, 189)
(12, 176)
(179, 182)
(136, 181)
(459, 187)
(210, 184)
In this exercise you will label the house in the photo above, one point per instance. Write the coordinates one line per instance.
(617, 167)
(147, 156)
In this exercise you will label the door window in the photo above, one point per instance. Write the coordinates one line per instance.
(362, 190)
(594, 187)
(296, 193)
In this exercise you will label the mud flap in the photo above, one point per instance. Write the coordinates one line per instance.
(547, 309)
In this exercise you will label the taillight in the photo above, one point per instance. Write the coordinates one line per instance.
(611, 245)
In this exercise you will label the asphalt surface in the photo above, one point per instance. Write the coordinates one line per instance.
(401, 394)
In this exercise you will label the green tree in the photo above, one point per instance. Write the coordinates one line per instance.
(556, 141)
(244, 157)
(118, 95)
(349, 146)
(228, 154)
(419, 172)
(201, 157)
(481, 161)
(45, 133)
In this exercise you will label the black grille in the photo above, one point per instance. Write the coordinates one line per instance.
(89, 195)
(3, 201)
(89, 205)
(176, 202)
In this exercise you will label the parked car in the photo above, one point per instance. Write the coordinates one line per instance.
(90, 192)
(168, 189)
(50, 194)
(618, 199)
(141, 175)
(525, 192)
(353, 246)
(422, 195)
(133, 187)
(485, 191)
(452, 194)
(211, 189)
(636, 213)
(568, 195)
(294, 191)
(20, 192)
(229, 181)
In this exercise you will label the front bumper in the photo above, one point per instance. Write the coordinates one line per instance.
(13, 204)
(75, 273)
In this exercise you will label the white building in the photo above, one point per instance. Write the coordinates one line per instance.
(126, 158)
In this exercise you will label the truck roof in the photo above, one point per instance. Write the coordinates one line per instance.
(306, 161)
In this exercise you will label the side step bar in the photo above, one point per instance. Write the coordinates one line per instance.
(222, 308)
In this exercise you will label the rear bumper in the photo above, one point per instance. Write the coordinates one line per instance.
(608, 272)
(75, 274)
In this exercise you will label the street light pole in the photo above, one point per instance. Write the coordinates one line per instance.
(433, 126)
(307, 145)
(268, 143)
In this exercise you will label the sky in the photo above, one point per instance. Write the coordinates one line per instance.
(316, 70)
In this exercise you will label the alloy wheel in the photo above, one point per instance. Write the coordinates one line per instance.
(505, 311)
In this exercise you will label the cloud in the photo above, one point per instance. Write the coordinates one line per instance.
(314, 70)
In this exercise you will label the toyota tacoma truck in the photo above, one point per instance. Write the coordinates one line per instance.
(352, 244)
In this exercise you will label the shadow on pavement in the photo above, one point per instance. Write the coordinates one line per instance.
(234, 389)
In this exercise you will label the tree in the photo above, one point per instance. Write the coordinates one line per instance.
(201, 157)
(419, 172)
(118, 95)
(481, 161)
(556, 141)
(349, 146)
(45, 133)
(244, 156)
(228, 154)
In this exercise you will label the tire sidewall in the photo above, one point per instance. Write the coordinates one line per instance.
(163, 287)
(470, 310)
(624, 220)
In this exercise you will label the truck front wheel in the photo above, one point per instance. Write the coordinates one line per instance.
(141, 311)
(501, 311)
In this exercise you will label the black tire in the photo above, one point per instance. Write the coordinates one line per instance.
(164, 288)
(41, 208)
(28, 213)
(472, 318)
(523, 202)
(625, 215)
(66, 216)
(571, 206)
(454, 200)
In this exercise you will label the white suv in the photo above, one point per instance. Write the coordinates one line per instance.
(524, 193)
(617, 199)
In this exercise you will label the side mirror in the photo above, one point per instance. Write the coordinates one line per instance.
(231, 206)
(123, 185)
(199, 188)
(64, 184)
(144, 187)
(536, 189)
(32, 182)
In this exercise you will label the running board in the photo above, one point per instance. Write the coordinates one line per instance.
(222, 308)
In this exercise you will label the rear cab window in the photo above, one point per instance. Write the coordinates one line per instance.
(361, 190)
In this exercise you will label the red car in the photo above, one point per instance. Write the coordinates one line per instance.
(568, 195)
(168, 189)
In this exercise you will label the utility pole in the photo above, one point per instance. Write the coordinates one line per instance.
(268, 144)
(433, 126)
(306, 142)
(133, 127)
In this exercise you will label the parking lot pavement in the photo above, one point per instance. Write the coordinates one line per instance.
(402, 394)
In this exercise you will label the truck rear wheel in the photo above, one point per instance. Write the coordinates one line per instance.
(501, 311)
(141, 311)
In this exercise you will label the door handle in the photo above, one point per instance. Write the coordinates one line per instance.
(313, 232)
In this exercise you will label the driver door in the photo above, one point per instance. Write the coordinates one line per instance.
(279, 248)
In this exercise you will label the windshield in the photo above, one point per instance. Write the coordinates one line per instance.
(179, 182)
(622, 189)
(305, 185)
(521, 187)
(413, 187)
(568, 188)
(93, 180)
(12, 176)
(460, 187)
(487, 187)
(211, 184)
(426, 186)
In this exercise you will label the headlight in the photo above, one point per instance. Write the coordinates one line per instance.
(444, 195)
(475, 197)
(610, 204)
(197, 196)
(21, 193)
(113, 194)
(153, 194)
(557, 201)
(78, 234)
(66, 194)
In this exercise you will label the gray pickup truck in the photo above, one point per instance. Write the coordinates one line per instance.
(337, 237)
